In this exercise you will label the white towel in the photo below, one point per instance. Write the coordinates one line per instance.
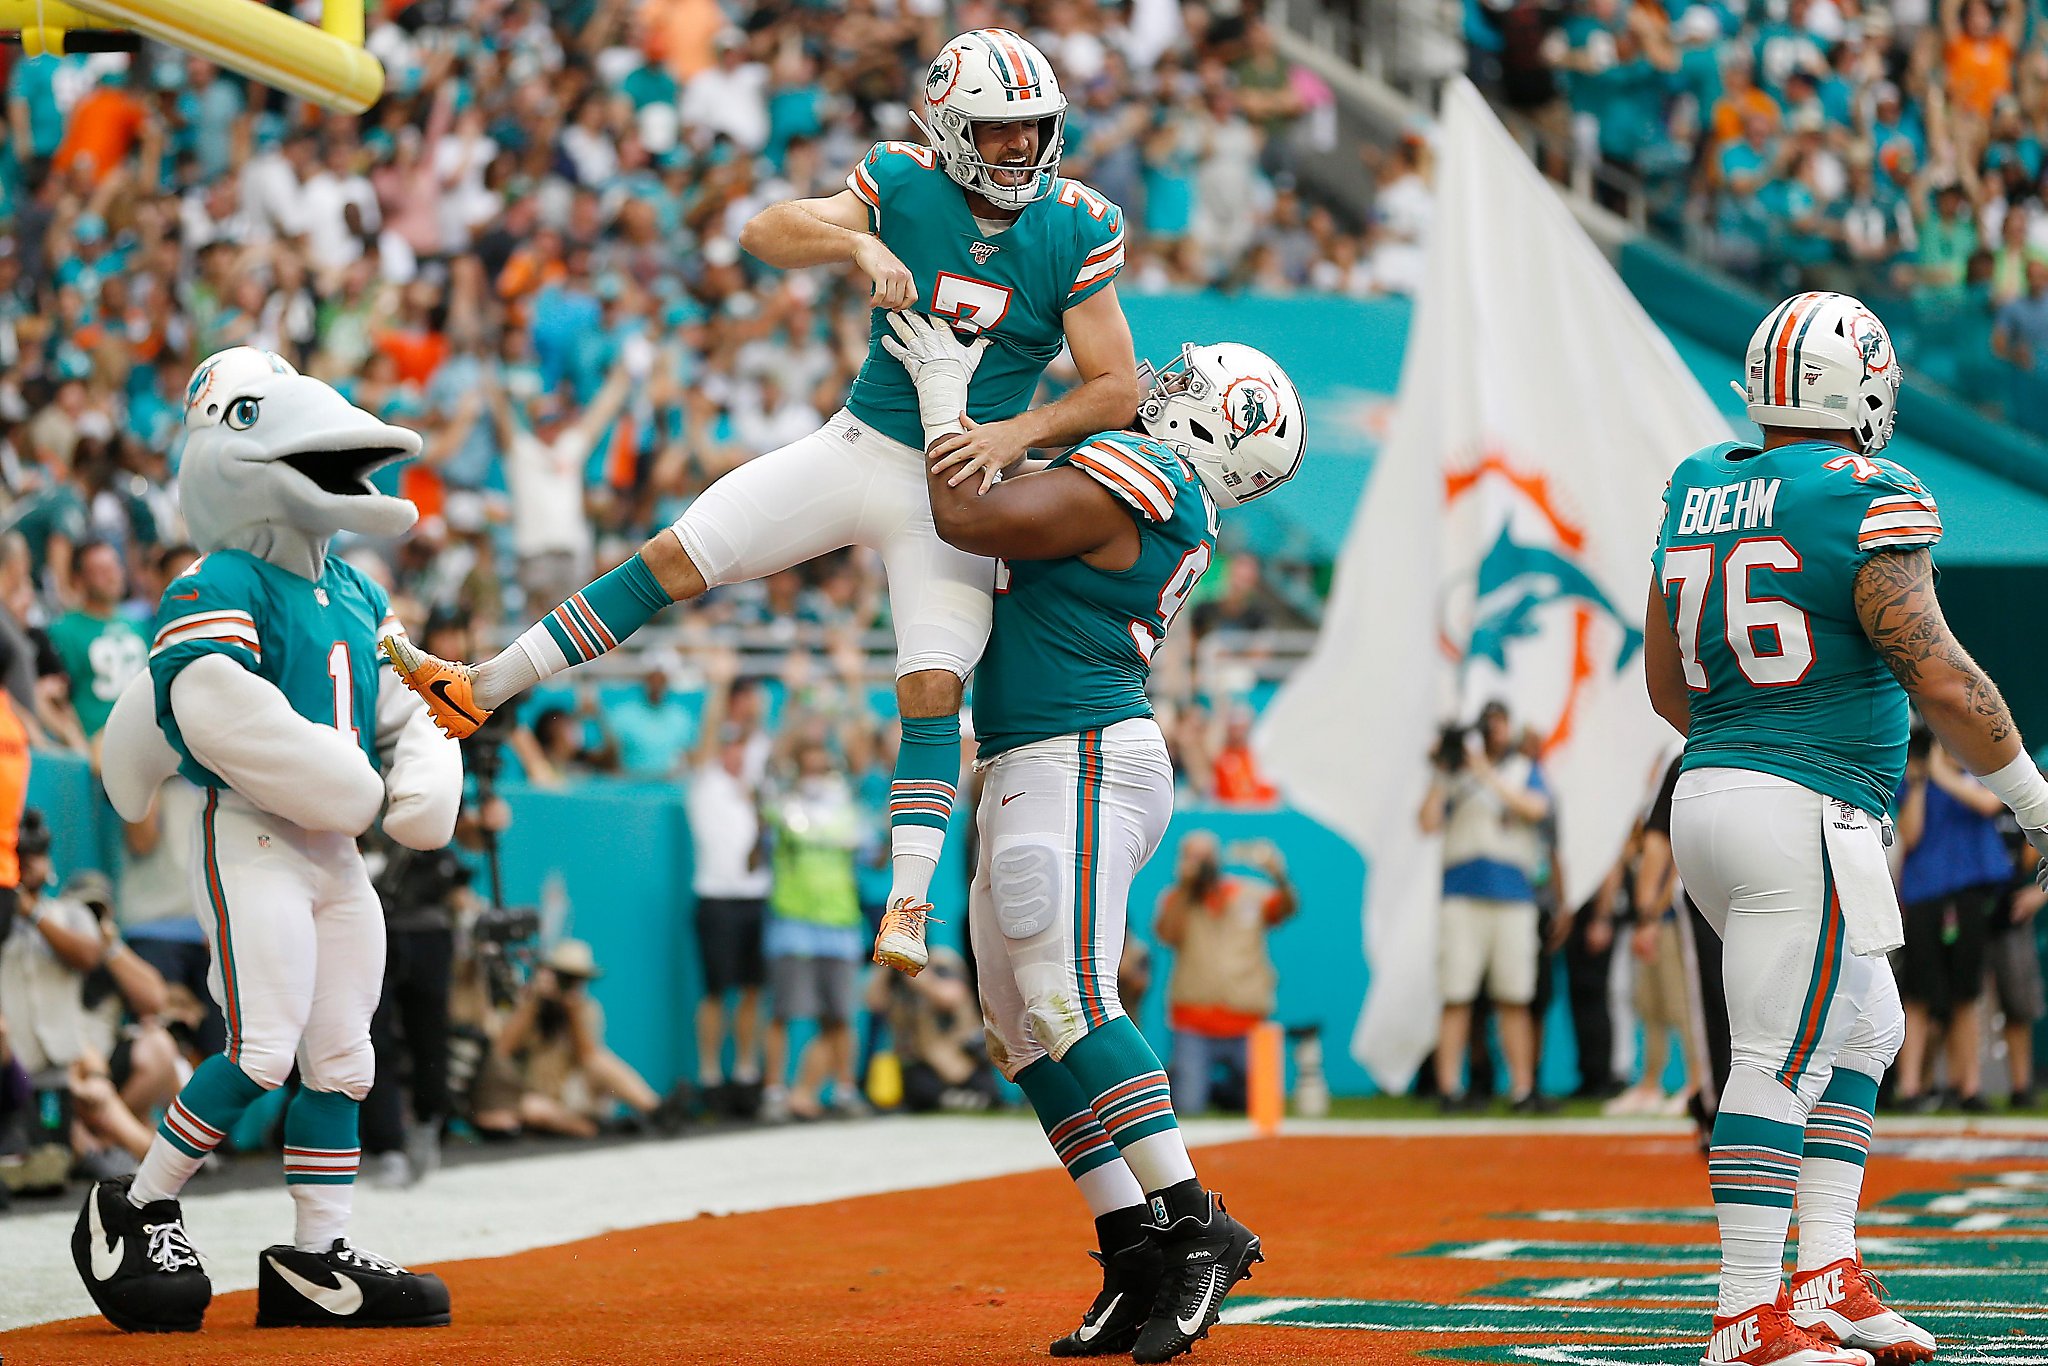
(1863, 880)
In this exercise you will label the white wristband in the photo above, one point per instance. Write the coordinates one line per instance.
(2022, 788)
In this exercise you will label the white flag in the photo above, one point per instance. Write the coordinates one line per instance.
(1501, 550)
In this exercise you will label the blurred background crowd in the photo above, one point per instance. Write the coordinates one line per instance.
(1887, 148)
(527, 252)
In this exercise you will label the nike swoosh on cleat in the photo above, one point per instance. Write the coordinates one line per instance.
(1087, 1331)
(1193, 1323)
(339, 1300)
(106, 1251)
(439, 688)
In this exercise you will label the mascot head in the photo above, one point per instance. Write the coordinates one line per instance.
(277, 462)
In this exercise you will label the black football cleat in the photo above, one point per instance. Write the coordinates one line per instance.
(137, 1264)
(1130, 1283)
(1203, 1259)
(344, 1287)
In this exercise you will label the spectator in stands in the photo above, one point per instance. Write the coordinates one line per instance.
(2020, 335)
(1223, 983)
(1953, 886)
(815, 936)
(1979, 52)
(1661, 994)
(935, 1028)
(65, 981)
(731, 882)
(545, 460)
(1237, 780)
(558, 746)
(100, 648)
(1402, 210)
(1487, 800)
(569, 1083)
(652, 727)
(1589, 972)
(2014, 953)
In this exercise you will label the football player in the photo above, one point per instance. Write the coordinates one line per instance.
(976, 226)
(1096, 554)
(1791, 616)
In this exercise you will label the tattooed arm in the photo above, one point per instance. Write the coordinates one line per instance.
(1895, 602)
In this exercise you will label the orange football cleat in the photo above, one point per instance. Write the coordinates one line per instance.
(1767, 1336)
(1844, 1303)
(899, 944)
(445, 687)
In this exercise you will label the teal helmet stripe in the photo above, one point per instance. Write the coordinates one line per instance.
(995, 53)
(1769, 330)
(1799, 345)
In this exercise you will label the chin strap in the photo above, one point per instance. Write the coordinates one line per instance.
(288, 547)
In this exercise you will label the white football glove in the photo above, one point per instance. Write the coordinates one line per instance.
(940, 365)
(2039, 839)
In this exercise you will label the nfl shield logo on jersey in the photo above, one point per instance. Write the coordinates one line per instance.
(981, 251)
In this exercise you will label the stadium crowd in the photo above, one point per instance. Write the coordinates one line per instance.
(1887, 148)
(526, 251)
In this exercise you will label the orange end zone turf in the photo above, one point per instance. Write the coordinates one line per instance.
(1430, 1237)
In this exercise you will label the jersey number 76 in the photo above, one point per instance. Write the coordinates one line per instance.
(1745, 612)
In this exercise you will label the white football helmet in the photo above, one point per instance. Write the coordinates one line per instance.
(1230, 412)
(1824, 360)
(990, 75)
(224, 375)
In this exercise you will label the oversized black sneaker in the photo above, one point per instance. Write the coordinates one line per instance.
(1203, 1258)
(137, 1264)
(1130, 1283)
(344, 1287)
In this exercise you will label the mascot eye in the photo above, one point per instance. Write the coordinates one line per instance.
(242, 413)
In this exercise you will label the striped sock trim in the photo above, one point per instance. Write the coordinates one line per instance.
(921, 801)
(1139, 1101)
(1745, 1174)
(321, 1166)
(1840, 1132)
(186, 1132)
(1081, 1143)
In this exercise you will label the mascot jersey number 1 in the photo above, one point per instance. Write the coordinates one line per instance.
(264, 688)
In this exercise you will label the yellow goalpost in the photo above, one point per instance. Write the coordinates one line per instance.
(326, 64)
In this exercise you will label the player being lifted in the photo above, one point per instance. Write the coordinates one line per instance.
(1791, 616)
(1096, 555)
(978, 228)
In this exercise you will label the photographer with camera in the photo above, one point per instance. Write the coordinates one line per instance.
(1487, 799)
(66, 982)
(566, 1079)
(1223, 984)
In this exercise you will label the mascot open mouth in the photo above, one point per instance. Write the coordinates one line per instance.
(346, 472)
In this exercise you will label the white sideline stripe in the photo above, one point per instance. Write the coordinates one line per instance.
(493, 1209)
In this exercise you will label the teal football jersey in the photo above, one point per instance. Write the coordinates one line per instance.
(317, 642)
(1073, 644)
(1758, 559)
(1014, 286)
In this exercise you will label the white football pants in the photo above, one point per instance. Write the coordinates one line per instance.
(842, 485)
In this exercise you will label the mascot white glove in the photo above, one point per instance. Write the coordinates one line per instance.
(940, 365)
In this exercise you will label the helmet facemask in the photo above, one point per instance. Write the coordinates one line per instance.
(952, 134)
